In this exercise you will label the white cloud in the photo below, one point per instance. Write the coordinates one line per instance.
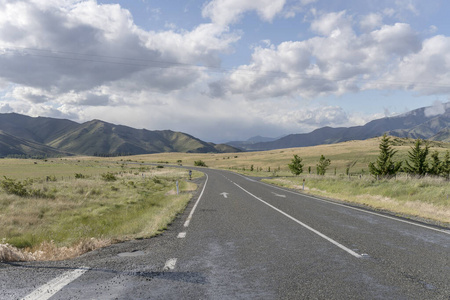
(408, 5)
(426, 71)
(225, 12)
(437, 108)
(397, 39)
(80, 45)
(331, 23)
(371, 21)
(337, 62)
(6, 108)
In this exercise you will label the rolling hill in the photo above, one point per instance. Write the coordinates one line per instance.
(414, 124)
(13, 146)
(23, 135)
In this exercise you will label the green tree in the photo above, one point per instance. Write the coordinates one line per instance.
(296, 165)
(445, 166)
(323, 165)
(385, 166)
(436, 164)
(417, 159)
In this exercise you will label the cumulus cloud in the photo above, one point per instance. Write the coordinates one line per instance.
(225, 12)
(80, 45)
(371, 21)
(340, 60)
(425, 71)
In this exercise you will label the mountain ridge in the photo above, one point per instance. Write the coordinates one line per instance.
(414, 124)
(95, 137)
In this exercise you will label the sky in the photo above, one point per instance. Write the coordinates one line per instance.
(224, 70)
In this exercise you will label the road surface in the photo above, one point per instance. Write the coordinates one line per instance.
(243, 239)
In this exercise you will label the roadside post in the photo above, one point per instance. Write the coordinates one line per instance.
(178, 190)
(190, 174)
(303, 183)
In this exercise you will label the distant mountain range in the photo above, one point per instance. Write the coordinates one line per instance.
(424, 123)
(22, 135)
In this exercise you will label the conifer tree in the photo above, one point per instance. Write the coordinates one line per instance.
(323, 164)
(385, 166)
(417, 159)
(436, 164)
(445, 166)
(296, 165)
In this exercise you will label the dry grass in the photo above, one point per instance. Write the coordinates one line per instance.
(425, 198)
(342, 155)
(48, 251)
(83, 214)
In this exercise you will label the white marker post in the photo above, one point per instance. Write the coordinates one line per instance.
(178, 190)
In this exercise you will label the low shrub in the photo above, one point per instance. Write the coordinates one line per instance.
(79, 176)
(14, 187)
(109, 177)
(200, 163)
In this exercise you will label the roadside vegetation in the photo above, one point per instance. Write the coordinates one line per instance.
(419, 198)
(61, 208)
(87, 205)
(425, 194)
(347, 173)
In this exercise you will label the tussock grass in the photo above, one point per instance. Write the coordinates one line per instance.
(88, 212)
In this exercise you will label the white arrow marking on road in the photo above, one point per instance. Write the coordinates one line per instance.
(278, 195)
(170, 264)
(225, 195)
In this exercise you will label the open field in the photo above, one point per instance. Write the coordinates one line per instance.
(61, 216)
(342, 155)
(419, 198)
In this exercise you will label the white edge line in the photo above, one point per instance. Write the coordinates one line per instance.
(55, 285)
(354, 208)
(304, 225)
(170, 264)
(188, 220)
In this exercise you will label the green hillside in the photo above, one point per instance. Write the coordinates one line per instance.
(13, 146)
(38, 136)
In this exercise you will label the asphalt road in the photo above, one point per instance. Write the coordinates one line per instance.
(242, 239)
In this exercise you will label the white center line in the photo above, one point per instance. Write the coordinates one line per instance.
(188, 220)
(359, 209)
(181, 235)
(304, 225)
(52, 287)
(170, 264)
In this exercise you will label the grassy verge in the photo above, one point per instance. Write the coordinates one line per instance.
(425, 198)
(93, 205)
